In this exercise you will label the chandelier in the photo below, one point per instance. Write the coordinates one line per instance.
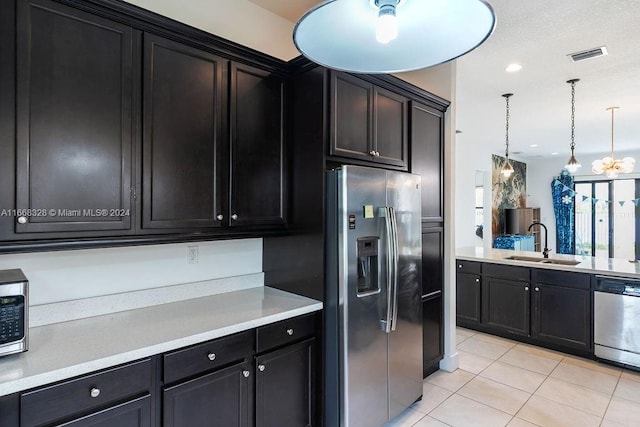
(609, 165)
(507, 169)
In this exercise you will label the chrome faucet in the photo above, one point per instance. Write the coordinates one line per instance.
(545, 251)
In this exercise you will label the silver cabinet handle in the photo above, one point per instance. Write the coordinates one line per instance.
(220, 217)
(526, 288)
(211, 356)
(234, 217)
(95, 392)
(246, 374)
(477, 280)
(290, 331)
(372, 153)
(377, 154)
(459, 265)
(22, 219)
(261, 368)
(537, 289)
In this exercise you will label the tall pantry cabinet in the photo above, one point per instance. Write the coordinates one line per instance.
(338, 118)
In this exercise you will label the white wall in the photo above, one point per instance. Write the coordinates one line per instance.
(68, 275)
(540, 173)
(471, 157)
(237, 20)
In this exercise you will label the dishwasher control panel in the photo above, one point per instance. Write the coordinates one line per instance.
(621, 286)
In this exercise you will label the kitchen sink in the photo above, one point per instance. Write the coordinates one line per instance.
(559, 261)
(542, 260)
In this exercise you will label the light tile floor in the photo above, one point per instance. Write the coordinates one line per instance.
(506, 383)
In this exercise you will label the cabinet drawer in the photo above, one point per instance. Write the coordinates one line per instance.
(467, 266)
(563, 278)
(284, 332)
(209, 355)
(506, 272)
(83, 394)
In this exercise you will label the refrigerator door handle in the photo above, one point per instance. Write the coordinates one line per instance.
(386, 322)
(394, 244)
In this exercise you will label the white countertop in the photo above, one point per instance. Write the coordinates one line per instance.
(606, 266)
(64, 350)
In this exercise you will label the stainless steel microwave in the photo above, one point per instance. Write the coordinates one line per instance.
(14, 312)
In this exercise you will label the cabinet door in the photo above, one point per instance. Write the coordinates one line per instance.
(390, 128)
(220, 398)
(505, 305)
(432, 260)
(74, 120)
(351, 118)
(562, 315)
(432, 334)
(135, 413)
(285, 386)
(258, 165)
(468, 298)
(427, 148)
(184, 177)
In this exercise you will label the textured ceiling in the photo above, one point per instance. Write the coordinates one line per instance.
(539, 34)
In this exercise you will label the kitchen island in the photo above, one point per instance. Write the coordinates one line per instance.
(564, 302)
(584, 264)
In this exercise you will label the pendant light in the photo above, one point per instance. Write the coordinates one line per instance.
(389, 36)
(507, 169)
(611, 166)
(573, 164)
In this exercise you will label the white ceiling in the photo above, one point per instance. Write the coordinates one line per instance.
(538, 34)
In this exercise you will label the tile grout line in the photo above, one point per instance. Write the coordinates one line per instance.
(610, 399)
(537, 388)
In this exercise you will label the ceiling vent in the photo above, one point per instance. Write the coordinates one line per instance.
(588, 54)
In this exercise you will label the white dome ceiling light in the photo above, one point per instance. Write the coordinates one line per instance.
(390, 36)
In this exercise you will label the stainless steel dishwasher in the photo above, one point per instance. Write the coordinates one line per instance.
(616, 320)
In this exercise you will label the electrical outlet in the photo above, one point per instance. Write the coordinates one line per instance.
(192, 254)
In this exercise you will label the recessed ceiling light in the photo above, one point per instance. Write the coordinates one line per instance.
(555, 153)
(533, 145)
(512, 68)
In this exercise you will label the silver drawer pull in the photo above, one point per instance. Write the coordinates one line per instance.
(220, 217)
(290, 331)
(22, 219)
(234, 217)
(246, 374)
(95, 392)
(477, 280)
(537, 289)
(261, 368)
(526, 288)
(211, 356)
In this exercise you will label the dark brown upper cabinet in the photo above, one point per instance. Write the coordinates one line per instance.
(258, 166)
(368, 123)
(184, 176)
(74, 116)
(427, 151)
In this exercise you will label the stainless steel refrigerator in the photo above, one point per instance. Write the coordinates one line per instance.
(373, 313)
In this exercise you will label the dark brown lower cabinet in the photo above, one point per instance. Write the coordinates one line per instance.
(134, 413)
(432, 337)
(468, 299)
(219, 398)
(539, 306)
(505, 305)
(562, 316)
(285, 386)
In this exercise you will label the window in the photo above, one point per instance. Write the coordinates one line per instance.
(606, 218)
